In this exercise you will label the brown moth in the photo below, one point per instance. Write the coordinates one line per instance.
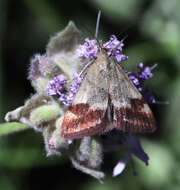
(106, 99)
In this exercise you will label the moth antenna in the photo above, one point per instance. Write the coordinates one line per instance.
(125, 37)
(97, 24)
(100, 44)
(85, 67)
(154, 66)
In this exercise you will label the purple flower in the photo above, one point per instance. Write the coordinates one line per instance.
(114, 49)
(56, 86)
(138, 79)
(63, 99)
(119, 56)
(88, 50)
(140, 66)
(113, 43)
(146, 73)
(149, 97)
(73, 88)
(134, 79)
(132, 147)
(119, 168)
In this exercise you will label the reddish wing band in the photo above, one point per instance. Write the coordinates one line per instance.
(80, 120)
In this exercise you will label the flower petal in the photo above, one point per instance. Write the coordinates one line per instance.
(134, 146)
(119, 168)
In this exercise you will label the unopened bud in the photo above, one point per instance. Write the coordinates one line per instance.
(44, 113)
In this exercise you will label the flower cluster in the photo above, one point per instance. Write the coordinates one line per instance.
(141, 76)
(88, 50)
(56, 86)
(113, 47)
(67, 98)
(138, 79)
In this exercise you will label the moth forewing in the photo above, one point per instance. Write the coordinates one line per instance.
(131, 112)
(86, 115)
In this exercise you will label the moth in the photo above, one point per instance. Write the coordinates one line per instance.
(106, 99)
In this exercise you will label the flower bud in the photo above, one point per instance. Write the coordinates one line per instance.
(39, 84)
(56, 143)
(83, 152)
(44, 113)
(96, 154)
(49, 68)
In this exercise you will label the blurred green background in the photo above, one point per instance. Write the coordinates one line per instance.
(153, 36)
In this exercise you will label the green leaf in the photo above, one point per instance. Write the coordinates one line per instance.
(11, 127)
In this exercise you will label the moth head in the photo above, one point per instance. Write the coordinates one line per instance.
(100, 46)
